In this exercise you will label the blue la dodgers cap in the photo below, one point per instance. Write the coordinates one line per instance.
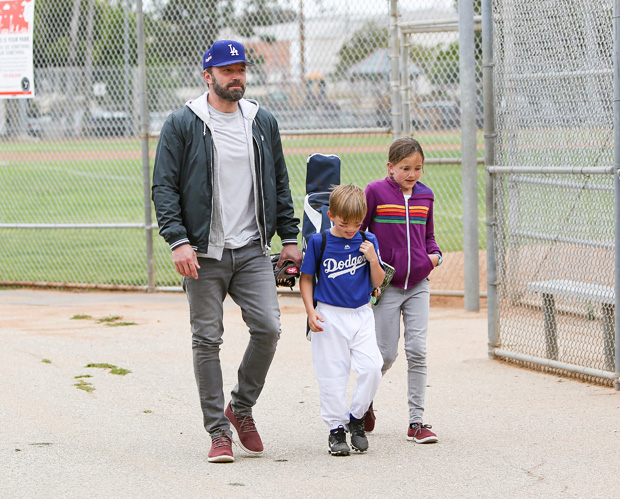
(223, 53)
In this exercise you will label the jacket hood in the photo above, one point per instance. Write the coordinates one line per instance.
(419, 189)
(200, 107)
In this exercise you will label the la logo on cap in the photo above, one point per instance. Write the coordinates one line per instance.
(223, 53)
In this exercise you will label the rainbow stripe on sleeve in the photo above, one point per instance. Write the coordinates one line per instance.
(395, 214)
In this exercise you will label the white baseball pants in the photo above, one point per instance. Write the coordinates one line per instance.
(347, 341)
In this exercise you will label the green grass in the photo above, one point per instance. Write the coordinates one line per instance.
(120, 371)
(101, 365)
(84, 385)
(100, 181)
(115, 321)
(110, 318)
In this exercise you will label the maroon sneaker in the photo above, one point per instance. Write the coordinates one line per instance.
(221, 450)
(369, 419)
(421, 433)
(249, 439)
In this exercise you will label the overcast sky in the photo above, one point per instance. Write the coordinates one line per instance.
(352, 7)
(315, 7)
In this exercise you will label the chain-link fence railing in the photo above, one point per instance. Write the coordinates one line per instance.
(553, 187)
(72, 206)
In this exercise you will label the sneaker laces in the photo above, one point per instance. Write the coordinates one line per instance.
(246, 424)
(357, 427)
(418, 427)
(221, 441)
(339, 434)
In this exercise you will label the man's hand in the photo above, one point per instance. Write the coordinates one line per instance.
(185, 261)
(290, 252)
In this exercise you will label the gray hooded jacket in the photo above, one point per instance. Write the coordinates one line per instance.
(187, 200)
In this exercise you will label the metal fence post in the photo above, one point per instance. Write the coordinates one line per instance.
(468, 152)
(489, 160)
(616, 66)
(144, 139)
(404, 83)
(394, 71)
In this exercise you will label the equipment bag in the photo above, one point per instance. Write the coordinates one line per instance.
(322, 173)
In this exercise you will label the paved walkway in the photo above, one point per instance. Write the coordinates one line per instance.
(504, 431)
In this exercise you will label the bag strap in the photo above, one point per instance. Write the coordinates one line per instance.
(320, 260)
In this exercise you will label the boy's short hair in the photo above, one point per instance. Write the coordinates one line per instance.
(403, 147)
(348, 202)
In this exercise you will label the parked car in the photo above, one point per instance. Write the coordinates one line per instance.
(110, 124)
(156, 122)
(437, 115)
(35, 126)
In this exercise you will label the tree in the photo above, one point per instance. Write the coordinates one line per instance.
(188, 29)
(363, 42)
(51, 37)
(370, 38)
(262, 13)
(62, 27)
(445, 70)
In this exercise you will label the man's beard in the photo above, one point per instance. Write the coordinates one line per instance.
(225, 93)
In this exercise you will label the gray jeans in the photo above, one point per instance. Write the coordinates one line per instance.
(413, 304)
(246, 274)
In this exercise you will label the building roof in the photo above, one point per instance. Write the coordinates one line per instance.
(377, 64)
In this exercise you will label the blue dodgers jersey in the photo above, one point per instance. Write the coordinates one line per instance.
(344, 275)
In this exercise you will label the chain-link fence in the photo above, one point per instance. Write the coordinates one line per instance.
(72, 199)
(553, 187)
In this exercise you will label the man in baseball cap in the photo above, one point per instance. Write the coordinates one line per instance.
(221, 193)
(223, 53)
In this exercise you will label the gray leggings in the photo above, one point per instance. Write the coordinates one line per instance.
(413, 304)
(246, 274)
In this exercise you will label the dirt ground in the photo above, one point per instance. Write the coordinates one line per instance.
(503, 431)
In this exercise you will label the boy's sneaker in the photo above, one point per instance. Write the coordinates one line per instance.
(338, 442)
(359, 442)
(249, 439)
(421, 433)
(369, 419)
(221, 450)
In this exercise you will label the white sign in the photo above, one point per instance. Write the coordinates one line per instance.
(16, 29)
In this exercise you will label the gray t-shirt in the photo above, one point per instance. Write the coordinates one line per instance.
(236, 178)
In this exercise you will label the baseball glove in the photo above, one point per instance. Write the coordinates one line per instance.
(286, 274)
(389, 273)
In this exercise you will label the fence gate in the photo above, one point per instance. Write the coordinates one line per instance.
(552, 215)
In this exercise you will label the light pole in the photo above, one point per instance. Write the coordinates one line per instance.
(302, 44)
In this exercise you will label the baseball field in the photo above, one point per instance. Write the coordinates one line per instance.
(86, 199)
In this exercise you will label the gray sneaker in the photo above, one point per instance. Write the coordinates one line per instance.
(338, 442)
(359, 442)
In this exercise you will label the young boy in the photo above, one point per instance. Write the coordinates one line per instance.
(347, 265)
